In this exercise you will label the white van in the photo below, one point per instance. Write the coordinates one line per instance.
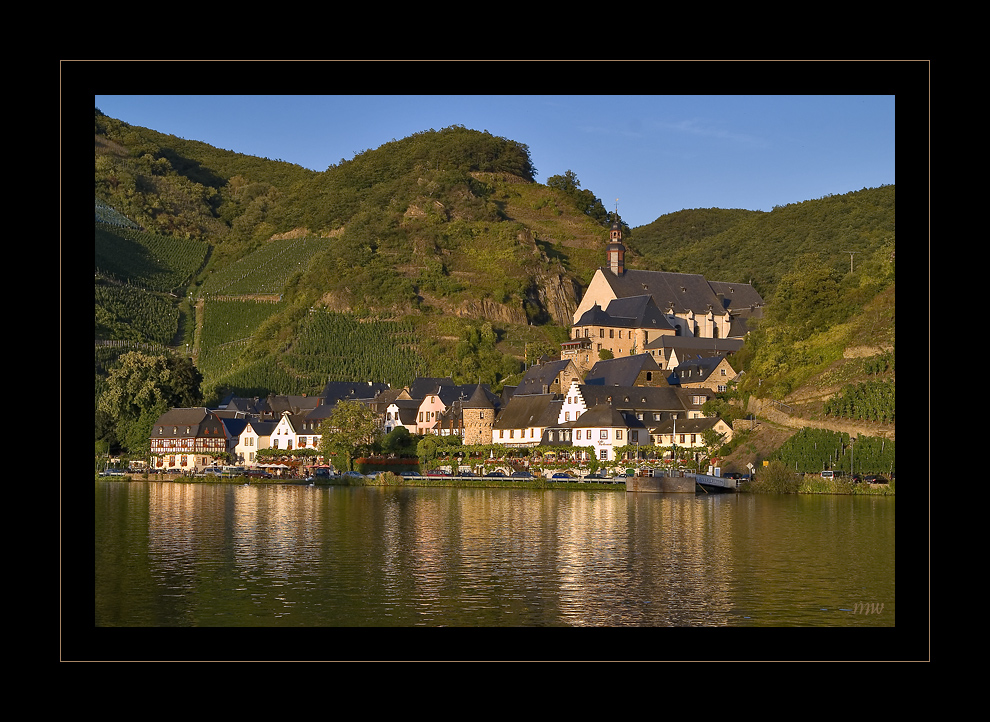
(831, 474)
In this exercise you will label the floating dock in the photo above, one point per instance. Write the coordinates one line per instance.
(687, 484)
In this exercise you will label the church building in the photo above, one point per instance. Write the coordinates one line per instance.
(659, 302)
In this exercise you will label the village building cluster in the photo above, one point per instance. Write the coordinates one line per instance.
(671, 337)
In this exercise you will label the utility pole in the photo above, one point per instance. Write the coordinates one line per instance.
(851, 254)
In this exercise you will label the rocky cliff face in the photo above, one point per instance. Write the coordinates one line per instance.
(558, 295)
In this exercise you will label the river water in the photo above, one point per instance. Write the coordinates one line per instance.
(219, 555)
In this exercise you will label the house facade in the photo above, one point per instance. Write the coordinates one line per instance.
(255, 436)
(525, 420)
(624, 327)
(188, 440)
(712, 372)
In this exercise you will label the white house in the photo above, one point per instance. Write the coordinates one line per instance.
(255, 435)
(604, 429)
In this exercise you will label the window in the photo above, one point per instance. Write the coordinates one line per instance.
(604, 433)
(567, 416)
(611, 333)
(603, 454)
(601, 333)
(274, 443)
(579, 435)
(634, 436)
(618, 434)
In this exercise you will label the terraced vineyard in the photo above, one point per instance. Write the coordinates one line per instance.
(133, 257)
(329, 346)
(267, 270)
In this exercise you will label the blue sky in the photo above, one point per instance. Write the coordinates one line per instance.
(656, 154)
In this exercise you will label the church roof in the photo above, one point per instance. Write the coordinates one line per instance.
(627, 312)
(684, 291)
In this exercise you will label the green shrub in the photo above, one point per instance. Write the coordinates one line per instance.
(775, 478)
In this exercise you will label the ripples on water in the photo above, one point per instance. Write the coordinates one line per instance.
(220, 555)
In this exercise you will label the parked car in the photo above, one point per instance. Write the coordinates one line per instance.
(410, 474)
(875, 479)
(561, 477)
(112, 472)
(521, 475)
(352, 475)
(828, 474)
(437, 472)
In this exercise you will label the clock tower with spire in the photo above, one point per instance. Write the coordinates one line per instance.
(615, 252)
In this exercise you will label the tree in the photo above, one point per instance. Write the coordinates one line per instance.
(399, 441)
(140, 388)
(348, 432)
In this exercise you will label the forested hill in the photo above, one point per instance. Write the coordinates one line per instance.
(760, 247)
(448, 219)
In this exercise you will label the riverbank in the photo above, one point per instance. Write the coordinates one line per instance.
(807, 486)
(817, 485)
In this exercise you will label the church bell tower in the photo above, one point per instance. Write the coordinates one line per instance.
(615, 252)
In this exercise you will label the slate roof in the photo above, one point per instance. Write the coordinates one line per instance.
(627, 312)
(279, 404)
(685, 426)
(261, 428)
(538, 379)
(198, 419)
(482, 398)
(334, 391)
(701, 344)
(684, 291)
(620, 371)
(526, 410)
(689, 292)
(424, 386)
(603, 415)
(241, 404)
(635, 398)
(697, 369)
(234, 426)
(737, 297)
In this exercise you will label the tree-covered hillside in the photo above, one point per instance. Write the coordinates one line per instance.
(759, 247)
